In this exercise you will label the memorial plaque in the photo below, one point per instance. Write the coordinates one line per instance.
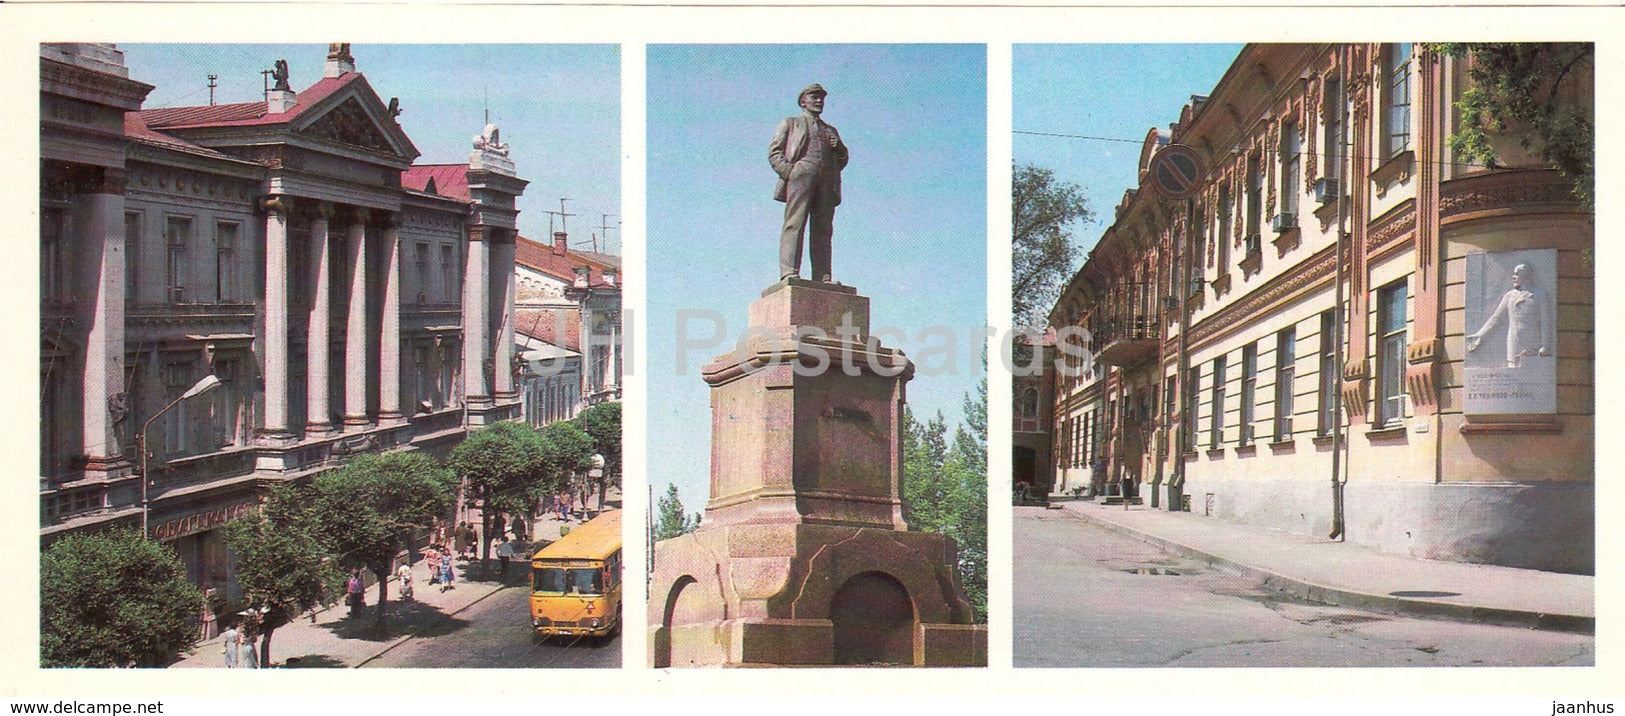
(1511, 333)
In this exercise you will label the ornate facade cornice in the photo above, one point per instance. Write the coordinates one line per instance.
(1503, 190)
(1272, 293)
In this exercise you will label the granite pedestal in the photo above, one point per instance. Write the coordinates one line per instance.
(803, 557)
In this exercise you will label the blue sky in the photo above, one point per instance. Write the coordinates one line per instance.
(910, 233)
(559, 107)
(1114, 92)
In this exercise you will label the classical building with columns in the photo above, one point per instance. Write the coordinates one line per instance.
(567, 310)
(346, 299)
(1352, 329)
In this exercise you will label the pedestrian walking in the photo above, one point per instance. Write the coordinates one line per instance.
(433, 555)
(446, 574)
(353, 592)
(464, 539)
(229, 646)
(405, 573)
(504, 553)
(566, 501)
(248, 655)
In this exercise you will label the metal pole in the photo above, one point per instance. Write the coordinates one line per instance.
(141, 445)
(1183, 365)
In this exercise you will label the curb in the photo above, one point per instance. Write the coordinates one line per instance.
(403, 639)
(1338, 596)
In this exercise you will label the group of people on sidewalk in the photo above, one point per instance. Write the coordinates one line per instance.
(240, 648)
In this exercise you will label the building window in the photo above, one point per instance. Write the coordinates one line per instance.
(225, 265)
(1169, 388)
(600, 365)
(1255, 203)
(1396, 116)
(53, 255)
(178, 234)
(1222, 246)
(132, 258)
(448, 275)
(1328, 374)
(1285, 355)
(423, 380)
(1029, 403)
(1249, 391)
(228, 404)
(420, 281)
(1332, 148)
(1187, 437)
(177, 422)
(449, 373)
(1391, 354)
(1291, 176)
(1198, 253)
(1215, 435)
(51, 444)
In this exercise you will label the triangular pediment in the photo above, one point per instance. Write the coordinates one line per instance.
(355, 117)
(348, 123)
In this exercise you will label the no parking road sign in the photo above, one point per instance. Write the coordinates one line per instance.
(1176, 171)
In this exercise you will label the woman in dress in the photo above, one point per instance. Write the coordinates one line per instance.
(248, 656)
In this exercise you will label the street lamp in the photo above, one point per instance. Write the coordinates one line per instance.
(595, 472)
(208, 383)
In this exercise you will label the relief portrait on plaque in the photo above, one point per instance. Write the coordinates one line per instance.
(1511, 328)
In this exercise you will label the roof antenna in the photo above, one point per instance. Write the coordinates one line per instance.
(212, 78)
(488, 103)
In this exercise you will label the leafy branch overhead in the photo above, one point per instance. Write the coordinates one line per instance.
(1539, 93)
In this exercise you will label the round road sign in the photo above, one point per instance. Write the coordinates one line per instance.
(1176, 171)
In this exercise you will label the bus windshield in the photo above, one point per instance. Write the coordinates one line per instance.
(575, 580)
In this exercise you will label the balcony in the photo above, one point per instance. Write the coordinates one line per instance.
(1129, 341)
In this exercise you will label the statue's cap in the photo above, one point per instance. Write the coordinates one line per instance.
(813, 88)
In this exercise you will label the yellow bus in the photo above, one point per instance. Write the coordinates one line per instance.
(575, 583)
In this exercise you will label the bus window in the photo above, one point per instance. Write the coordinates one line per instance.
(586, 581)
(549, 579)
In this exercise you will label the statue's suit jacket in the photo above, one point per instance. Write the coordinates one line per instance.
(790, 145)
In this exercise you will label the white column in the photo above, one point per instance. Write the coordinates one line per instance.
(476, 319)
(317, 411)
(502, 257)
(275, 416)
(355, 334)
(389, 340)
(101, 263)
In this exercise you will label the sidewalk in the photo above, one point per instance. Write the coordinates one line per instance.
(333, 640)
(1354, 575)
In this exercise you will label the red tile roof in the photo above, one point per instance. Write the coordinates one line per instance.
(541, 257)
(546, 324)
(243, 113)
(449, 179)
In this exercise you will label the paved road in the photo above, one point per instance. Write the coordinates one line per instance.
(495, 633)
(1086, 596)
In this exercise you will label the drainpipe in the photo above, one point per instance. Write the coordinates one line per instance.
(1176, 493)
(1345, 206)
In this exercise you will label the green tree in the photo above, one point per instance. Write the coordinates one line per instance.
(114, 599)
(670, 519)
(1043, 252)
(498, 463)
(565, 449)
(1539, 92)
(366, 510)
(945, 490)
(603, 423)
(282, 565)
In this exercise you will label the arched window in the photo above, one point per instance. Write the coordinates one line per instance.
(1029, 403)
